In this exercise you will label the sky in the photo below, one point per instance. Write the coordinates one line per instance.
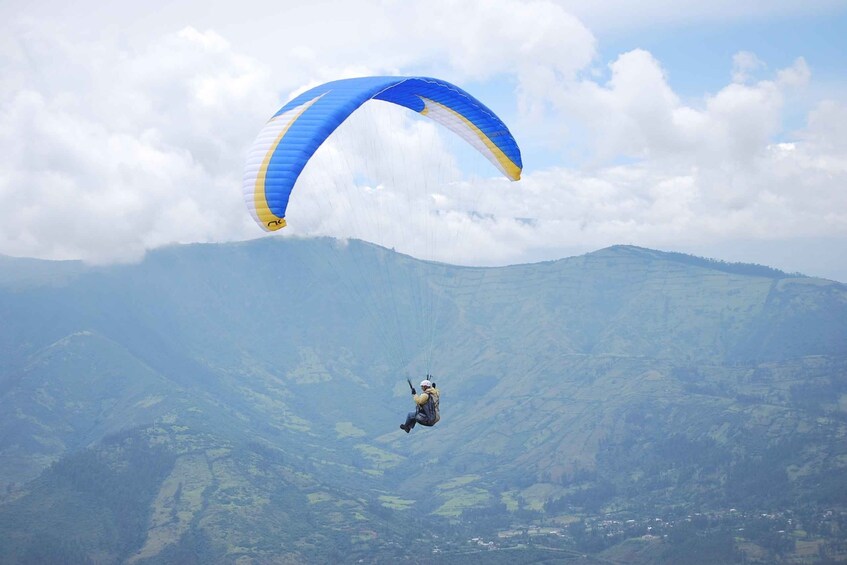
(717, 129)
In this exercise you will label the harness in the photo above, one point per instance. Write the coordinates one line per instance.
(430, 409)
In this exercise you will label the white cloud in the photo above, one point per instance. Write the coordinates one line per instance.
(636, 113)
(484, 38)
(109, 153)
(710, 172)
(744, 63)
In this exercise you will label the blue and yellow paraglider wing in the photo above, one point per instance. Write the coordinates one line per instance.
(293, 134)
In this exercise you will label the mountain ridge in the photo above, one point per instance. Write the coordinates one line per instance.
(28, 267)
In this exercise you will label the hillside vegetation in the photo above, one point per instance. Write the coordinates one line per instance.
(217, 403)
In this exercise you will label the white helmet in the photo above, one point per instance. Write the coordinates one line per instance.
(425, 383)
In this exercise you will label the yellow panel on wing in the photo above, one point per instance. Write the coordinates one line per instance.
(278, 125)
(472, 134)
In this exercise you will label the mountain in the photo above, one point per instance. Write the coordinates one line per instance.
(217, 403)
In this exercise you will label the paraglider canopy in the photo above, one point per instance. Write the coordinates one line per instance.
(297, 130)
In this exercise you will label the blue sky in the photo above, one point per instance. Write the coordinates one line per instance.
(697, 54)
(698, 57)
(709, 128)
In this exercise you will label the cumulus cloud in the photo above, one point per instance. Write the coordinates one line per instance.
(711, 171)
(480, 39)
(108, 153)
(636, 113)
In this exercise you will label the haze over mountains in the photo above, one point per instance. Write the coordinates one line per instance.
(217, 402)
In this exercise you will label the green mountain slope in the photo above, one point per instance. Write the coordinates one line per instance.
(72, 393)
(247, 398)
